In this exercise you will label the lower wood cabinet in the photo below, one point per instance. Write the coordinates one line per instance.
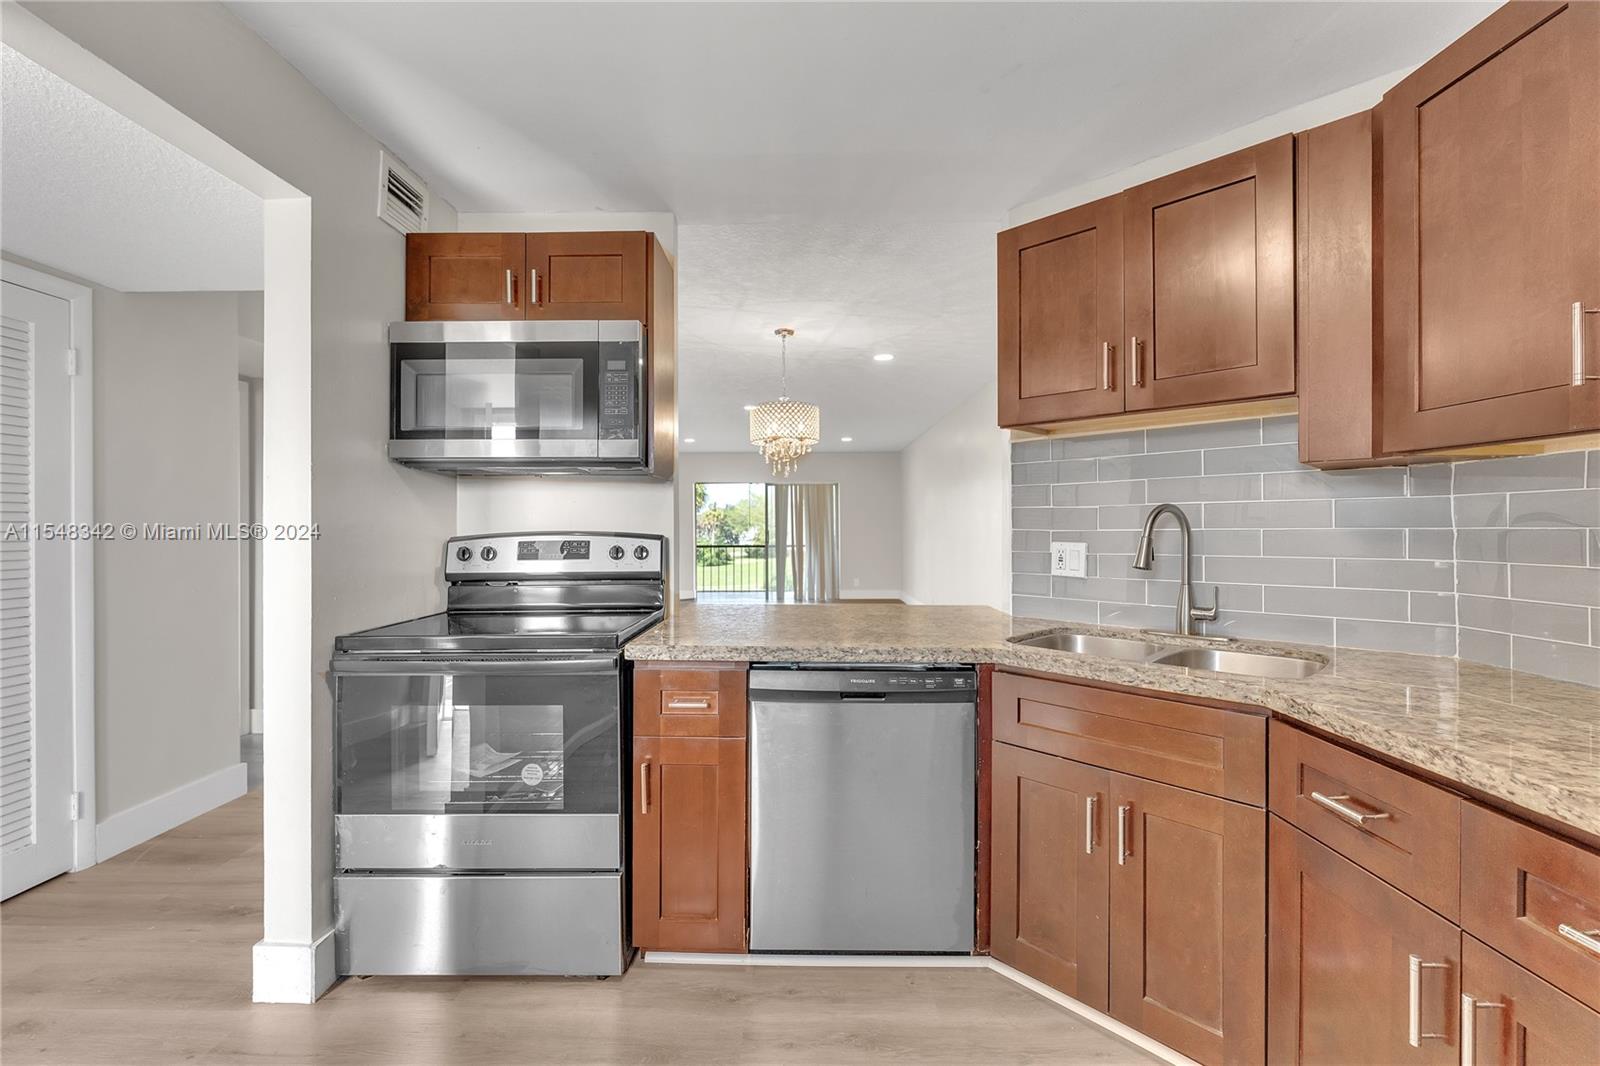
(1509, 1016)
(1344, 945)
(689, 819)
(1137, 898)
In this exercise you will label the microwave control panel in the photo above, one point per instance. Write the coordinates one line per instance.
(618, 399)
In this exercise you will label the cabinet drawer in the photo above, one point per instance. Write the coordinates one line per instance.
(1206, 749)
(1510, 1016)
(1396, 826)
(1534, 897)
(703, 700)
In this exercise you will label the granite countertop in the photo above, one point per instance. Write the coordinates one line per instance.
(1530, 741)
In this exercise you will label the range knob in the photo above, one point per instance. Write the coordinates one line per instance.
(641, 552)
(616, 551)
(488, 553)
(464, 553)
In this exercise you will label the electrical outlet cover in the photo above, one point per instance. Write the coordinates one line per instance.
(1069, 558)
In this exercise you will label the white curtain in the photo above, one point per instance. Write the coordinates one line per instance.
(808, 535)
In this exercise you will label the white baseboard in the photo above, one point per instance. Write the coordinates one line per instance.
(153, 817)
(258, 720)
(1098, 1019)
(869, 594)
(292, 973)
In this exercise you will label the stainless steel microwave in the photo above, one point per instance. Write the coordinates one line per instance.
(522, 397)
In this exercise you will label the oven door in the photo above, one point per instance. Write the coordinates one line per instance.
(516, 392)
(478, 765)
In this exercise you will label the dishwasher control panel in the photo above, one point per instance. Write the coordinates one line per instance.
(847, 681)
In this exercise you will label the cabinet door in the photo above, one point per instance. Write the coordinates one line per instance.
(470, 276)
(1210, 281)
(1515, 1019)
(689, 844)
(589, 276)
(1491, 233)
(1060, 303)
(1188, 920)
(1342, 944)
(1049, 871)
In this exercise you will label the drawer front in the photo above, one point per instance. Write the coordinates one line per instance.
(1206, 749)
(1396, 826)
(1534, 897)
(702, 700)
(1509, 1016)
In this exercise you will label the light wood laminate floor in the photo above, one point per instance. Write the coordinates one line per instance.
(146, 959)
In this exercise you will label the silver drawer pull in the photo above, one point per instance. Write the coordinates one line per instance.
(511, 287)
(1105, 365)
(1091, 808)
(1469, 1027)
(644, 787)
(1342, 806)
(1580, 369)
(1136, 356)
(1123, 850)
(1583, 938)
(689, 705)
(533, 287)
(1415, 1036)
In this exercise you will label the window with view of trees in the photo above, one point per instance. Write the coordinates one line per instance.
(732, 555)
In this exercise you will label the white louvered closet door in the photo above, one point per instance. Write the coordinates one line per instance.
(35, 590)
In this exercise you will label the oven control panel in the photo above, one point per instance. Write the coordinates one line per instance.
(557, 554)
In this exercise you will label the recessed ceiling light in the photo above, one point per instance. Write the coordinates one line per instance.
(883, 357)
(688, 440)
(749, 407)
(846, 440)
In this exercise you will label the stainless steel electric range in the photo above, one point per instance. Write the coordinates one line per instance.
(479, 784)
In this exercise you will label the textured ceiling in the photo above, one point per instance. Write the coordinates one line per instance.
(89, 192)
(841, 168)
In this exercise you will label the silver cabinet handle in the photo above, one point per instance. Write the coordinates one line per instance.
(644, 787)
(1415, 1035)
(1469, 1027)
(533, 286)
(1583, 938)
(1135, 355)
(511, 286)
(689, 705)
(1342, 806)
(1123, 851)
(1580, 369)
(1091, 808)
(1105, 365)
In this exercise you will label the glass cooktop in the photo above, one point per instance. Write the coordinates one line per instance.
(501, 633)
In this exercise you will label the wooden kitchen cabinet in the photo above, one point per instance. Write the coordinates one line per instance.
(1049, 871)
(1516, 1019)
(590, 276)
(1188, 918)
(1060, 316)
(1340, 973)
(465, 276)
(1491, 234)
(1209, 273)
(689, 823)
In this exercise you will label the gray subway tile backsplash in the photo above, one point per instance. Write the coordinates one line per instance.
(1495, 560)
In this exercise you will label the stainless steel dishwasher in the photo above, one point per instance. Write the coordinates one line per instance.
(862, 808)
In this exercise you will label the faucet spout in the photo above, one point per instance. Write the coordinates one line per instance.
(1144, 559)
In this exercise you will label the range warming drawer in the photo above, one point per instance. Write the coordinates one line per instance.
(546, 841)
(550, 924)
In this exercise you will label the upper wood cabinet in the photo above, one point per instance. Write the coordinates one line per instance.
(589, 276)
(1060, 320)
(465, 276)
(1209, 276)
(480, 276)
(1175, 293)
(1491, 234)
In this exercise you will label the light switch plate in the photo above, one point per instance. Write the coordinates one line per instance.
(1069, 558)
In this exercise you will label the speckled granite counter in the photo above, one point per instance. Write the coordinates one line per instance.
(1527, 740)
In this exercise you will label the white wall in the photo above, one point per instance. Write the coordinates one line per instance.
(381, 525)
(955, 489)
(662, 223)
(869, 511)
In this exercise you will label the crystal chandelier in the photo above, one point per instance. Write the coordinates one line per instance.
(785, 429)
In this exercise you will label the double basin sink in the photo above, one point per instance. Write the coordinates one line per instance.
(1220, 660)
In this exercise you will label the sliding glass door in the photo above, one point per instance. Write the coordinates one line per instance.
(760, 542)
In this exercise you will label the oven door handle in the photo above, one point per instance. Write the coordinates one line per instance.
(589, 664)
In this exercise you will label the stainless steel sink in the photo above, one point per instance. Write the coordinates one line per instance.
(1255, 664)
(1106, 647)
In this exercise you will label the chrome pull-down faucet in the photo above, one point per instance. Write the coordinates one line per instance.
(1188, 613)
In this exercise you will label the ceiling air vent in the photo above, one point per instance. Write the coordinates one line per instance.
(402, 198)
